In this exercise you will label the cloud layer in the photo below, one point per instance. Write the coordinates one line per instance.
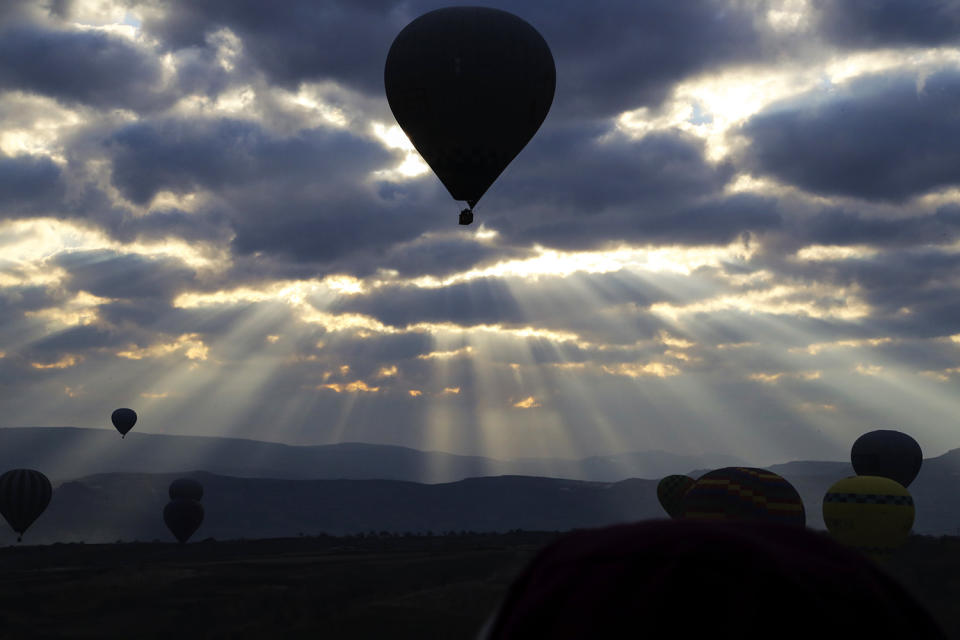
(737, 230)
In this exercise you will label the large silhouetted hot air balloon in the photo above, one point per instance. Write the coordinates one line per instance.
(469, 86)
(24, 495)
(123, 420)
(887, 453)
(670, 492)
(186, 488)
(744, 493)
(871, 513)
(183, 517)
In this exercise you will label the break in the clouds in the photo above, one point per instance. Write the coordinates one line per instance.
(736, 231)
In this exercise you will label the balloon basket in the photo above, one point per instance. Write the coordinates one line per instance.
(466, 216)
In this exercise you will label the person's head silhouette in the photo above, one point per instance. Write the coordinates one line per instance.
(690, 579)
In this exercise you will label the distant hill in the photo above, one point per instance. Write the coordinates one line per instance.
(107, 507)
(104, 508)
(66, 453)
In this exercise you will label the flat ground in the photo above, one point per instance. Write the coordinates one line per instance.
(374, 587)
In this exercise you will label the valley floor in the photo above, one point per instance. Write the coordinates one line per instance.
(371, 587)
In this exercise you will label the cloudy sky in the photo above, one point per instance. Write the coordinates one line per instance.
(737, 231)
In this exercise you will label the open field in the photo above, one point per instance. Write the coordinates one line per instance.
(371, 587)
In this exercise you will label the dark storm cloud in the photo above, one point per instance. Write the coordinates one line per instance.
(367, 356)
(292, 41)
(88, 67)
(839, 227)
(300, 196)
(108, 275)
(579, 187)
(207, 225)
(15, 300)
(587, 170)
(72, 340)
(28, 185)
(613, 57)
(622, 55)
(182, 155)
(715, 222)
(484, 301)
(576, 303)
(348, 226)
(884, 23)
(880, 138)
(445, 256)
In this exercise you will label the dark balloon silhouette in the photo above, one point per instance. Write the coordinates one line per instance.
(123, 420)
(887, 453)
(183, 517)
(670, 493)
(469, 86)
(744, 493)
(186, 488)
(872, 513)
(24, 495)
(687, 579)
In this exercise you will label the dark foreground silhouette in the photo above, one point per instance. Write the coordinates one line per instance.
(375, 586)
(707, 580)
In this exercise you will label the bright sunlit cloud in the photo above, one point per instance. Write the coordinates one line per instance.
(217, 219)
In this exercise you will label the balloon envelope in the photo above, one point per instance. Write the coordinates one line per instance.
(871, 513)
(123, 420)
(887, 453)
(469, 86)
(183, 517)
(744, 493)
(670, 492)
(186, 488)
(24, 495)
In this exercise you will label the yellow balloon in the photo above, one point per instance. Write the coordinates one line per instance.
(870, 513)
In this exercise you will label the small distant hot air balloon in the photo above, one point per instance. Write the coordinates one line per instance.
(183, 517)
(123, 420)
(185, 488)
(872, 513)
(670, 492)
(469, 86)
(744, 493)
(24, 495)
(887, 453)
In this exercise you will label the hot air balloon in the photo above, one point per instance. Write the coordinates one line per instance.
(469, 86)
(183, 517)
(887, 453)
(670, 492)
(186, 488)
(24, 495)
(871, 513)
(744, 493)
(123, 420)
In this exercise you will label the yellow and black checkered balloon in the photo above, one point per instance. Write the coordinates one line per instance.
(872, 513)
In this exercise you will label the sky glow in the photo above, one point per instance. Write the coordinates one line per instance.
(745, 240)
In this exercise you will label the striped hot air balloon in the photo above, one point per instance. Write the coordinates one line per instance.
(872, 513)
(24, 495)
(744, 493)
